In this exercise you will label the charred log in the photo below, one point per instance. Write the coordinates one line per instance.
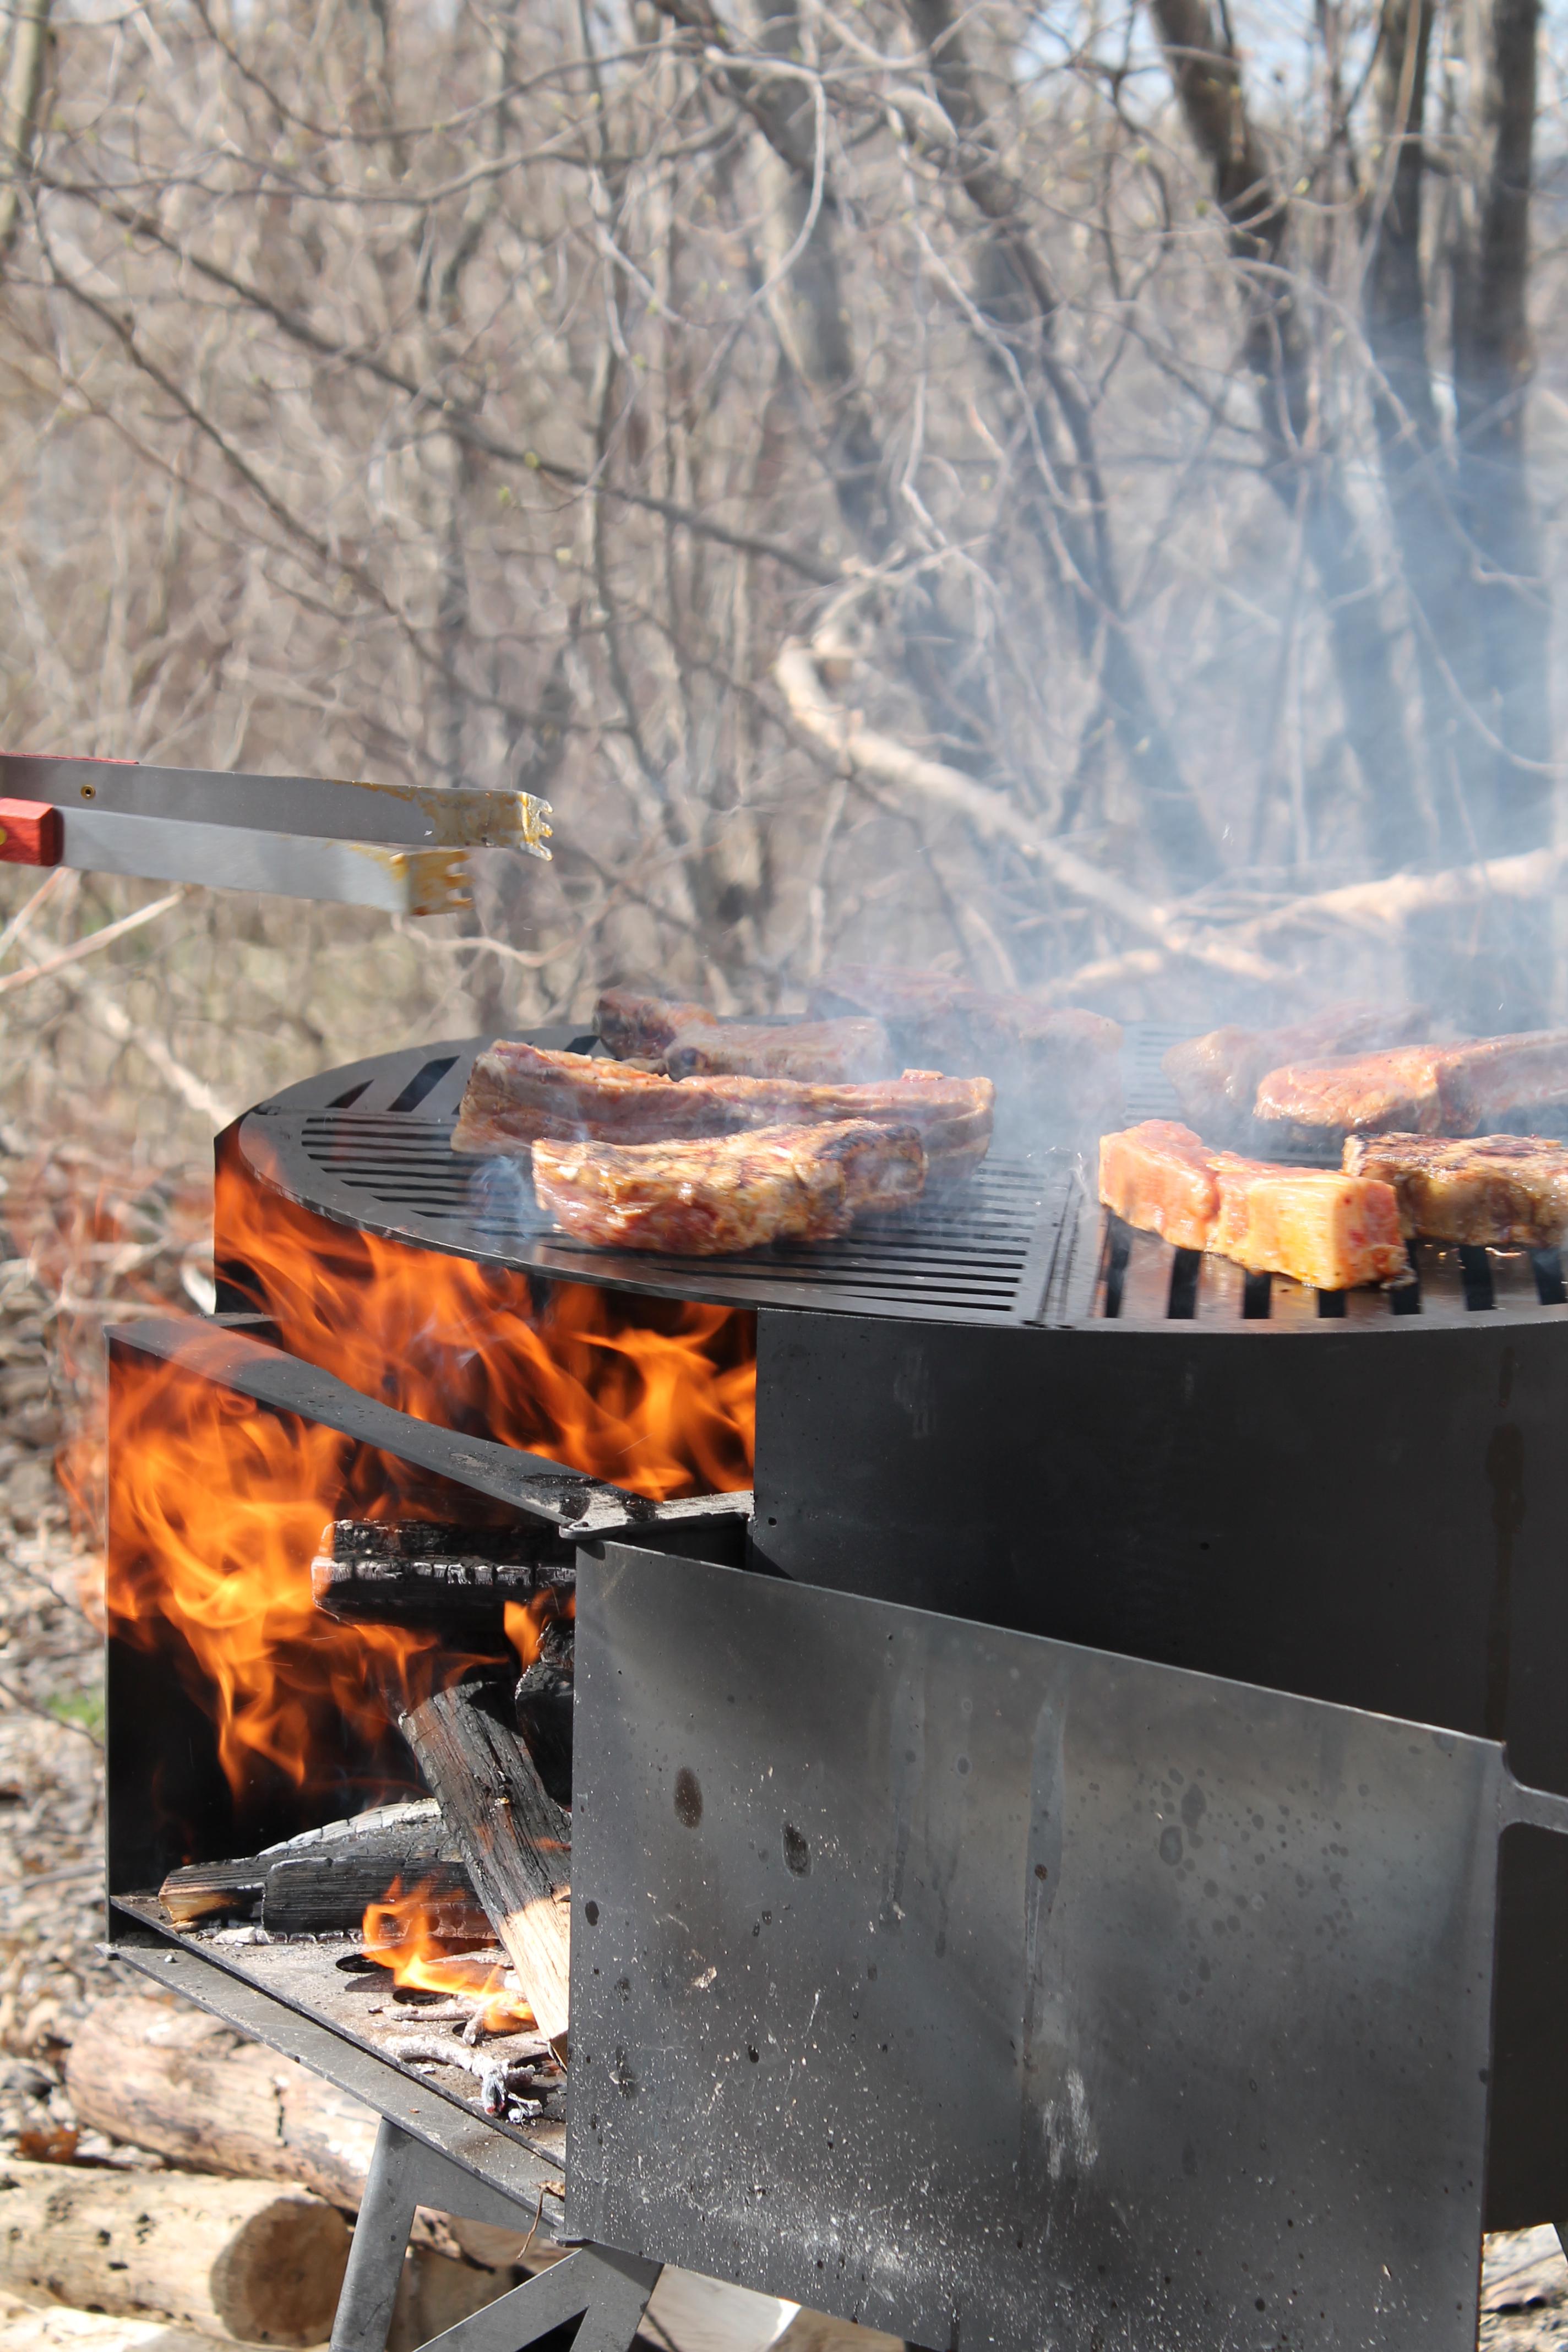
(370, 1571)
(514, 1837)
(544, 1708)
(322, 1882)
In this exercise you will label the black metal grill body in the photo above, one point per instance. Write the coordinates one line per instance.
(1009, 1411)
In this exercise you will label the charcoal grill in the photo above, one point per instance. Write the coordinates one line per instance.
(1005, 1430)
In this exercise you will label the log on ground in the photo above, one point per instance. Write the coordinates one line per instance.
(514, 1837)
(179, 2083)
(241, 2260)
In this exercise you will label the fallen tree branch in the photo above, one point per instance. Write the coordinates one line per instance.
(1386, 907)
(860, 752)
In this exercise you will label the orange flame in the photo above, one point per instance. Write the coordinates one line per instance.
(526, 1622)
(216, 1513)
(654, 1395)
(399, 1934)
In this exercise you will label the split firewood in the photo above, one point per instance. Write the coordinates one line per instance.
(514, 1835)
(50, 2327)
(180, 2084)
(320, 1883)
(460, 1579)
(544, 1707)
(241, 2260)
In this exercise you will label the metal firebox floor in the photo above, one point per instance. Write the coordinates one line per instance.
(1022, 1243)
(302, 1974)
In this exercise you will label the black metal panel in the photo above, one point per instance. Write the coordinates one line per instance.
(1000, 1994)
(1377, 1522)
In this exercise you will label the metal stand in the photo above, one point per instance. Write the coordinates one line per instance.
(608, 2291)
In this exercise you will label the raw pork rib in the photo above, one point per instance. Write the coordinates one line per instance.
(1421, 1089)
(1216, 1077)
(724, 1193)
(1507, 1191)
(519, 1094)
(823, 1052)
(1331, 1230)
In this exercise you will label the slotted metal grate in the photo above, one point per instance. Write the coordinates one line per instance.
(371, 1145)
(1025, 1241)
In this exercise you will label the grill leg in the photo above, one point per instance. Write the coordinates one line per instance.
(608, 2291)
(380, 2242)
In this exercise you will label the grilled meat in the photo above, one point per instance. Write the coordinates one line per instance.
(1216, 1077)
(723, 1193)
(820, 1052)
(1056, 1068)
(519, 1094)
(1420, 1089)
(1505, 1190)
(634, 1027)
(1331, 1230)
(952, 1115)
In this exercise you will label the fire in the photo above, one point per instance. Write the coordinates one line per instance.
(526, 1622)
(654, 1395)
(215, 1512)
(399, 1934)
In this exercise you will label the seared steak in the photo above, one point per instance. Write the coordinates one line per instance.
(1421, 1089)
(635, 1027)
(1216, 1076)
(810, 1051)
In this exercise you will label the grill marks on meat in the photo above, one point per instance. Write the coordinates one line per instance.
(1332, 1230)
(638, 1028)
(1501, 1190)
(724, 1193)
(1216, 1077)
(519, 1095)
(1421, 1089)
(821, 1051)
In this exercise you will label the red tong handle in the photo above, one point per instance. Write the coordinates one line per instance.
(31, 834)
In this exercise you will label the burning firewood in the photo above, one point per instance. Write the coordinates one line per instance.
(411, 1572)
(239, 2259)
(322, 1880)
(544, 1707)
(514, 1837)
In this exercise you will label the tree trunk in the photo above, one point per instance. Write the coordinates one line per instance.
(1208, 84)
(1511, 798)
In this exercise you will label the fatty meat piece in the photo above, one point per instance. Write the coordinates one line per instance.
(1505, 1191)
(1319, 1226)
(1314, 1224)
(1161, 1178)
(1216, 1076)
(724, 1193)
(952, 1115)
(820, 1052)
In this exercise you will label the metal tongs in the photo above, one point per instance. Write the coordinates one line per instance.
(397, 847)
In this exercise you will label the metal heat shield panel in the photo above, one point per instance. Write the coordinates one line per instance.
(994, 1991)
